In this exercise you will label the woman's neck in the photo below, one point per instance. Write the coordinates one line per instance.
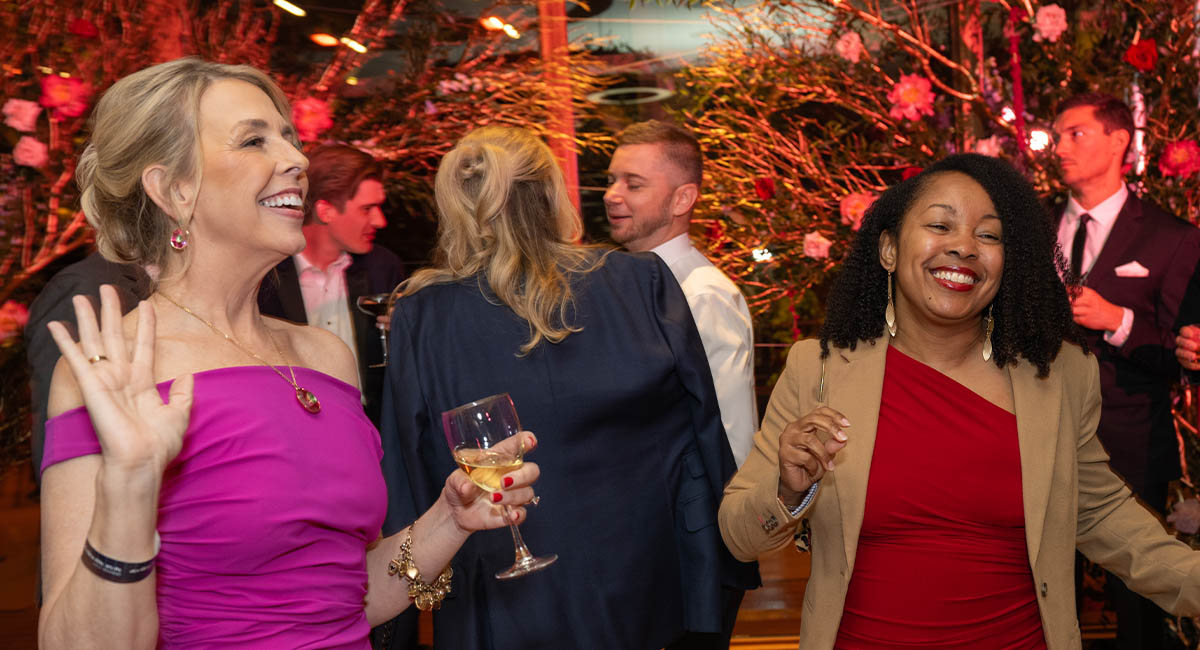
(944, 347)
(224, 295)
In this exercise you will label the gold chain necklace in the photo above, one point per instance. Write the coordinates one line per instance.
(303, 395)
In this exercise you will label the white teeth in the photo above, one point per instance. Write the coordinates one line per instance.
(960, 278)
(282, 200)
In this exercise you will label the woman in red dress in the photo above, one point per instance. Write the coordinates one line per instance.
(937, 443)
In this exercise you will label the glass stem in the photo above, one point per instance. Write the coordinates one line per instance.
(523, 554)
(383, 340)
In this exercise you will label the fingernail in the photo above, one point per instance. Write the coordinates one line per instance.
(508, 481)
(840, 435)
(845, 422)
(496, 496)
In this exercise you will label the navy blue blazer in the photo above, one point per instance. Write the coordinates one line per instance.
(376, 271)
(631, 447)
(1136, 378)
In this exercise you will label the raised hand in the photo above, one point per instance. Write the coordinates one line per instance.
(475, 509)
(136, 429)
(806, 451)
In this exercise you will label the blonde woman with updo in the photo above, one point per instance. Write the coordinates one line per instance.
(600, 354)
(210, 479)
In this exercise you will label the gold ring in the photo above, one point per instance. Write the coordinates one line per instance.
(97, 357)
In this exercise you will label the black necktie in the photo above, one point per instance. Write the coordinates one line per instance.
(1077, 245)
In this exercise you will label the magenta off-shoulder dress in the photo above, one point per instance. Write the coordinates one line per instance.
(265, 515)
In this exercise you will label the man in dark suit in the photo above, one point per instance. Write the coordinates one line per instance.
(1134, 262)
(54, 304)
(320, 286)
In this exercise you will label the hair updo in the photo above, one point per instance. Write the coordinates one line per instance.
(150, 118)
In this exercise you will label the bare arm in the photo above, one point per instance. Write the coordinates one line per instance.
(110, 499)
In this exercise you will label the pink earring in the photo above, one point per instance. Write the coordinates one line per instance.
(179, 239)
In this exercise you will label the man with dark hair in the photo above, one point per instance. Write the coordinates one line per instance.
(653, 185)
(340, 262)
(1134, 262)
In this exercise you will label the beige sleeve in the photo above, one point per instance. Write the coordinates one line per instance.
(751, 517)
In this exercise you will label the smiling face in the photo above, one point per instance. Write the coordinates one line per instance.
(252, 186)
(352, 229)
(643, 201)
(948, 259)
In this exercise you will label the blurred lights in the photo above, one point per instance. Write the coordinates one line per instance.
(511, 31)
(290, 8)
(1038, 140)
(354, 45)
(494, 24)
(324, 40)
(351, 81)
(761, 255)
(1007, 114)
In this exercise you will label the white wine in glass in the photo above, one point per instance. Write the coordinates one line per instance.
(484, 438)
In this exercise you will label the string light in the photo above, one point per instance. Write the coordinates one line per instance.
(1038, 140)
(354, 45)
(352, 81)
(290, 8)
(1007, 114)
(324, 40)
(512, 31)
(492, 23)
(761, 255)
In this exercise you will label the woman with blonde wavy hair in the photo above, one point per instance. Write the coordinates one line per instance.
(599, 352)
(209, 477)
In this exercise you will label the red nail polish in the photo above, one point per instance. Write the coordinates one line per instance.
(508, 481)
(496, 496)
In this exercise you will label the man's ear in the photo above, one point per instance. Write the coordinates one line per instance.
(324, 212)
(887, 250)
(175, 199)
(684, 199)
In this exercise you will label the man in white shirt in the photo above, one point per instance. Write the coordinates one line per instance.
(653, 186)
(1133, 262)
(320, 285)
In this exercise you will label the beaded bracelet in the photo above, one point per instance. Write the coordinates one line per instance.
(115, 570)
(424, 595)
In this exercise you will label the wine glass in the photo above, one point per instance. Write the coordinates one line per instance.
(376, 305)
(484, 437)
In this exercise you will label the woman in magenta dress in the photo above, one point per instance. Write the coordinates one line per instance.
(210, 479)
(936, 447)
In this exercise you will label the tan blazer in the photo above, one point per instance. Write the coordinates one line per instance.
(1071, 497)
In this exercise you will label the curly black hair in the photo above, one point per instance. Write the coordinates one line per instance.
(1031, 310)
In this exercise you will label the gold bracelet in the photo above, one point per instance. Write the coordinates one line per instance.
(424, 595)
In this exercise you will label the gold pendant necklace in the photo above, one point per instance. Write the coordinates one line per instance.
(306, 397)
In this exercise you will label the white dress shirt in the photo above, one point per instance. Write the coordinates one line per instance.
(727, 333)
(1103, 217)
(326, 298)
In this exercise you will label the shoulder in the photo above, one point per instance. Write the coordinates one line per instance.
(317, 349)
(1162, 220)
(1071, 361)
(64, 390)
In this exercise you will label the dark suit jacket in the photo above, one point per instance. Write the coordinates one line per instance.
(54, 303)
(632, 452)
(377, 271)
(1136, 378)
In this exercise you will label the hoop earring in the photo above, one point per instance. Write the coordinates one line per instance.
(889, 314)
(179, 239)
(987, 335)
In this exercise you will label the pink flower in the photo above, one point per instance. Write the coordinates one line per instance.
(1049, 23)
(1180, 159)
(764, 187)
(816, 246)
(21, 114)
(911, 97)
(311, 117)
(67, 96)
(13, 316)
(989, 146)
(849, 46)
(30, 152)
(854, 206)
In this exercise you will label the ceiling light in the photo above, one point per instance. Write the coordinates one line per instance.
(324, 40)
(354, 45)
(492, 23)
(290, 8)
(512, 31)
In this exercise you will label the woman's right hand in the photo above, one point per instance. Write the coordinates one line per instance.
(474, 509)
(136, 430)
(806, 451)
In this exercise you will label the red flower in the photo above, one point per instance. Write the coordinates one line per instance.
(764, 187)
(312, 117)
(1143, 55)
(83, 28)
(67, 96)
(1180, 159)
(909, 172)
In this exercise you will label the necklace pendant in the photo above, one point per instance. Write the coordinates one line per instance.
(308, 400)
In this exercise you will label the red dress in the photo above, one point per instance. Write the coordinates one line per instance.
(942, 560)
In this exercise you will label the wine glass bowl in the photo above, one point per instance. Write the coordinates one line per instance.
(484, 438)
(376, 305)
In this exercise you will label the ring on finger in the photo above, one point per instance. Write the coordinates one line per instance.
(535, 500)
(97, 357)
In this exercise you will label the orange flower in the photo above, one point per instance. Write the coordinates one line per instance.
(67, 96)
(911, 97)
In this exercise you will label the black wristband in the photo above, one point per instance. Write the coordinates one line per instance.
(115, 570)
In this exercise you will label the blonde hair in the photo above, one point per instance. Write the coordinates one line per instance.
(505, 216)
(150, 118)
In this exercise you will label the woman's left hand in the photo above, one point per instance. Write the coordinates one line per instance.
(1187, 347)
(476, 509)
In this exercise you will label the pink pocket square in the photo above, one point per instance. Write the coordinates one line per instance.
(1132, 270)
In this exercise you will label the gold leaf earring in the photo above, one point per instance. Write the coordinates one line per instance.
(987, 335)
(889, 314)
